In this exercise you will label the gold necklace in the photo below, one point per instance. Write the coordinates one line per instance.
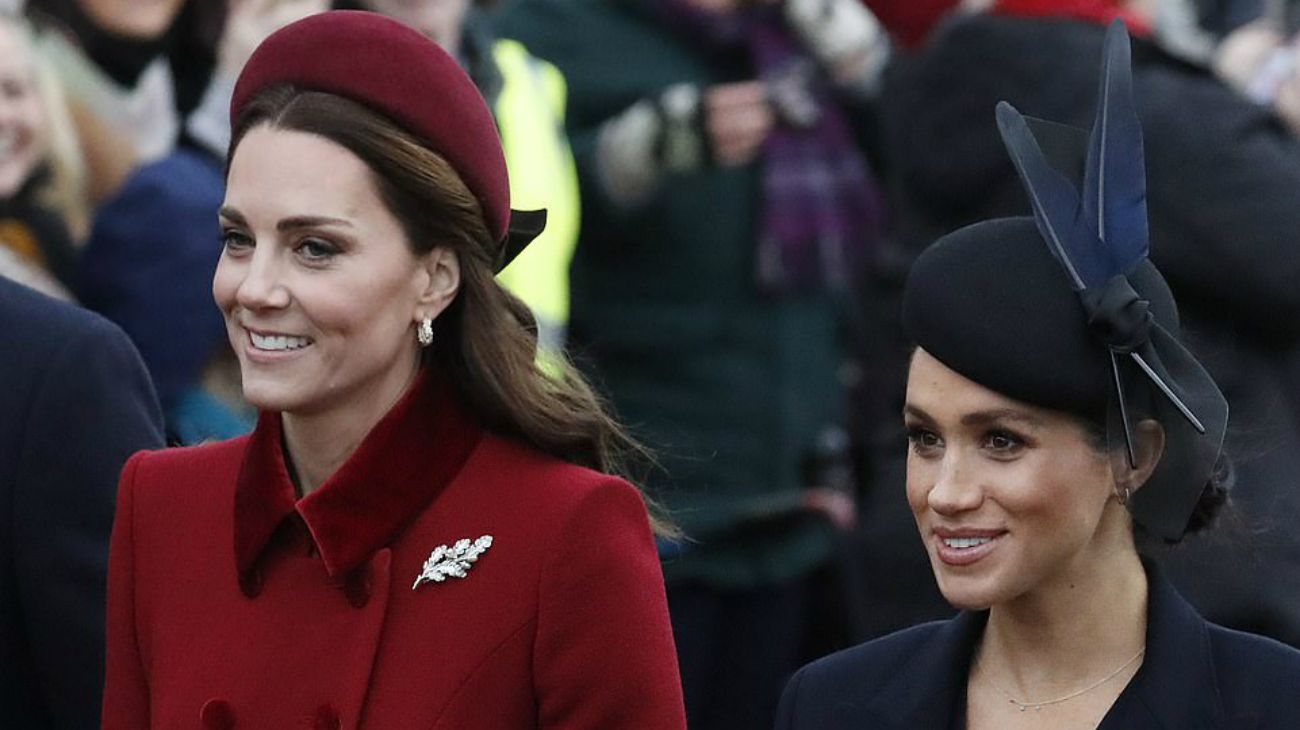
(1022, 706)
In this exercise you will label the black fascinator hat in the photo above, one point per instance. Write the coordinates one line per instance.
(1064, 310)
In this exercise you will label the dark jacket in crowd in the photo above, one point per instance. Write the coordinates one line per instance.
(729, 385)
(1194, 675)
(1223, 177)
(74, 404)
(148, 267)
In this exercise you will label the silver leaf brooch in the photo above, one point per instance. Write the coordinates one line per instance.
(452, 562)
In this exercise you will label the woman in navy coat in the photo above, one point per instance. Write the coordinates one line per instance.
(1054, 421)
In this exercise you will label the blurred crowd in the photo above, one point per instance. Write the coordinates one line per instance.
(735, 191)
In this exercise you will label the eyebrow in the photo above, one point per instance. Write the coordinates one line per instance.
(981, 418)
(287, 224)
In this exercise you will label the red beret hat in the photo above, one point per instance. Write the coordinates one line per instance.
(398, 72)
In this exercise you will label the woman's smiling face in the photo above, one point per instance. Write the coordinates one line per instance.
(22, 117)
(318, 284)
(1008, 497)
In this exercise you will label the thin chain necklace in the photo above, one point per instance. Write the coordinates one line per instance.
(1022, 706)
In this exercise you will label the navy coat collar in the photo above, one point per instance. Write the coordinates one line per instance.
(1176, 688)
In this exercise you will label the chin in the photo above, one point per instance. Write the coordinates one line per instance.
(969, 591)
(272, 396)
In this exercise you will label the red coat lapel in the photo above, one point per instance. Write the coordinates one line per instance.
(405, 461)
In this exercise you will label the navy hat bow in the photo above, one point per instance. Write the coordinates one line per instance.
(1099, 236)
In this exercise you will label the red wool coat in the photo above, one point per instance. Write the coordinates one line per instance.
(234, 604)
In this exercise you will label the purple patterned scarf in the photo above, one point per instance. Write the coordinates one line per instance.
(822, 211)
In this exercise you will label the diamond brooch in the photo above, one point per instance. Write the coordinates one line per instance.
(452, 562)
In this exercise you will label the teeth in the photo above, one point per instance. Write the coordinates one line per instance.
(278, 342)
(963, 543)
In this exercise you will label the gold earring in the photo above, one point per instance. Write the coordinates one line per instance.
(424, 333)
(1122, 494)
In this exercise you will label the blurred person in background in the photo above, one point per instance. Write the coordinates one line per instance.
(43, 208)
(726, 206)
(134, 72)
(527, 98)
(1261, 60)
(76, 402)
(1224, 174)
(155, 244)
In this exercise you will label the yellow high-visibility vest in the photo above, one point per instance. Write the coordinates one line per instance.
(530, 116)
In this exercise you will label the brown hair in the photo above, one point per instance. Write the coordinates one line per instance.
(1215, 497)
(492, 360)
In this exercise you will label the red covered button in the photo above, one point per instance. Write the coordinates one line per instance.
(250, 583)
(217, 715)
(327, 718)
(358, 590)
(357, 587)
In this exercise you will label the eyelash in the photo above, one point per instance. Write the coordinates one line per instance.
(324, 249)
(1009, 443)
(1013, 445)
(314, 250)
(916, 436)
(231, 238)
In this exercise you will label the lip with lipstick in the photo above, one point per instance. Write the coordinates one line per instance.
(960, 547)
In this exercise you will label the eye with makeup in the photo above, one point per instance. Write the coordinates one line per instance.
(1003, 444)
(923, 441)
(316, 250)
(14, 89)
(235, 241)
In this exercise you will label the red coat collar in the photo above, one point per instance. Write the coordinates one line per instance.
(400, 467)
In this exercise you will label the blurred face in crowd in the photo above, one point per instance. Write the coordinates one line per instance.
(143, 19)
(1008, 497)
(440, 20)
(320, 289)
(22, 118)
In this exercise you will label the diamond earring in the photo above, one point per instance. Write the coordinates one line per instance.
(424, 333)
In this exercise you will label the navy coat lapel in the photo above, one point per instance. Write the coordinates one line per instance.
(929, 690)
(1176, 688)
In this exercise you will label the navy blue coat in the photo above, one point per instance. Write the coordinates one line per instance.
(75, 402)
(1196, 676)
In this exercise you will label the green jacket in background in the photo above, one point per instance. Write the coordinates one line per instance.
(729, 386)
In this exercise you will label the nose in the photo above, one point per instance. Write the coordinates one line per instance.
(262, 286)
(956, 487)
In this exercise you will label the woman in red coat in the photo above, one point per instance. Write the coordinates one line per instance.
(421, 532)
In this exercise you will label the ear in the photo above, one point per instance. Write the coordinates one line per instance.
(1149, 438)
(438, 282)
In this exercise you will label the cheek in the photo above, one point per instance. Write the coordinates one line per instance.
(225, 284)
(920, 479)
(1064, 499)
(362, 311)
(34, 115)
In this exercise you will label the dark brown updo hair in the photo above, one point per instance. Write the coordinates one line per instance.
(1215, 494)
(492, 356)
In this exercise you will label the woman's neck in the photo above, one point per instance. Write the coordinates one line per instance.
(316, 444)
(1073, 628)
